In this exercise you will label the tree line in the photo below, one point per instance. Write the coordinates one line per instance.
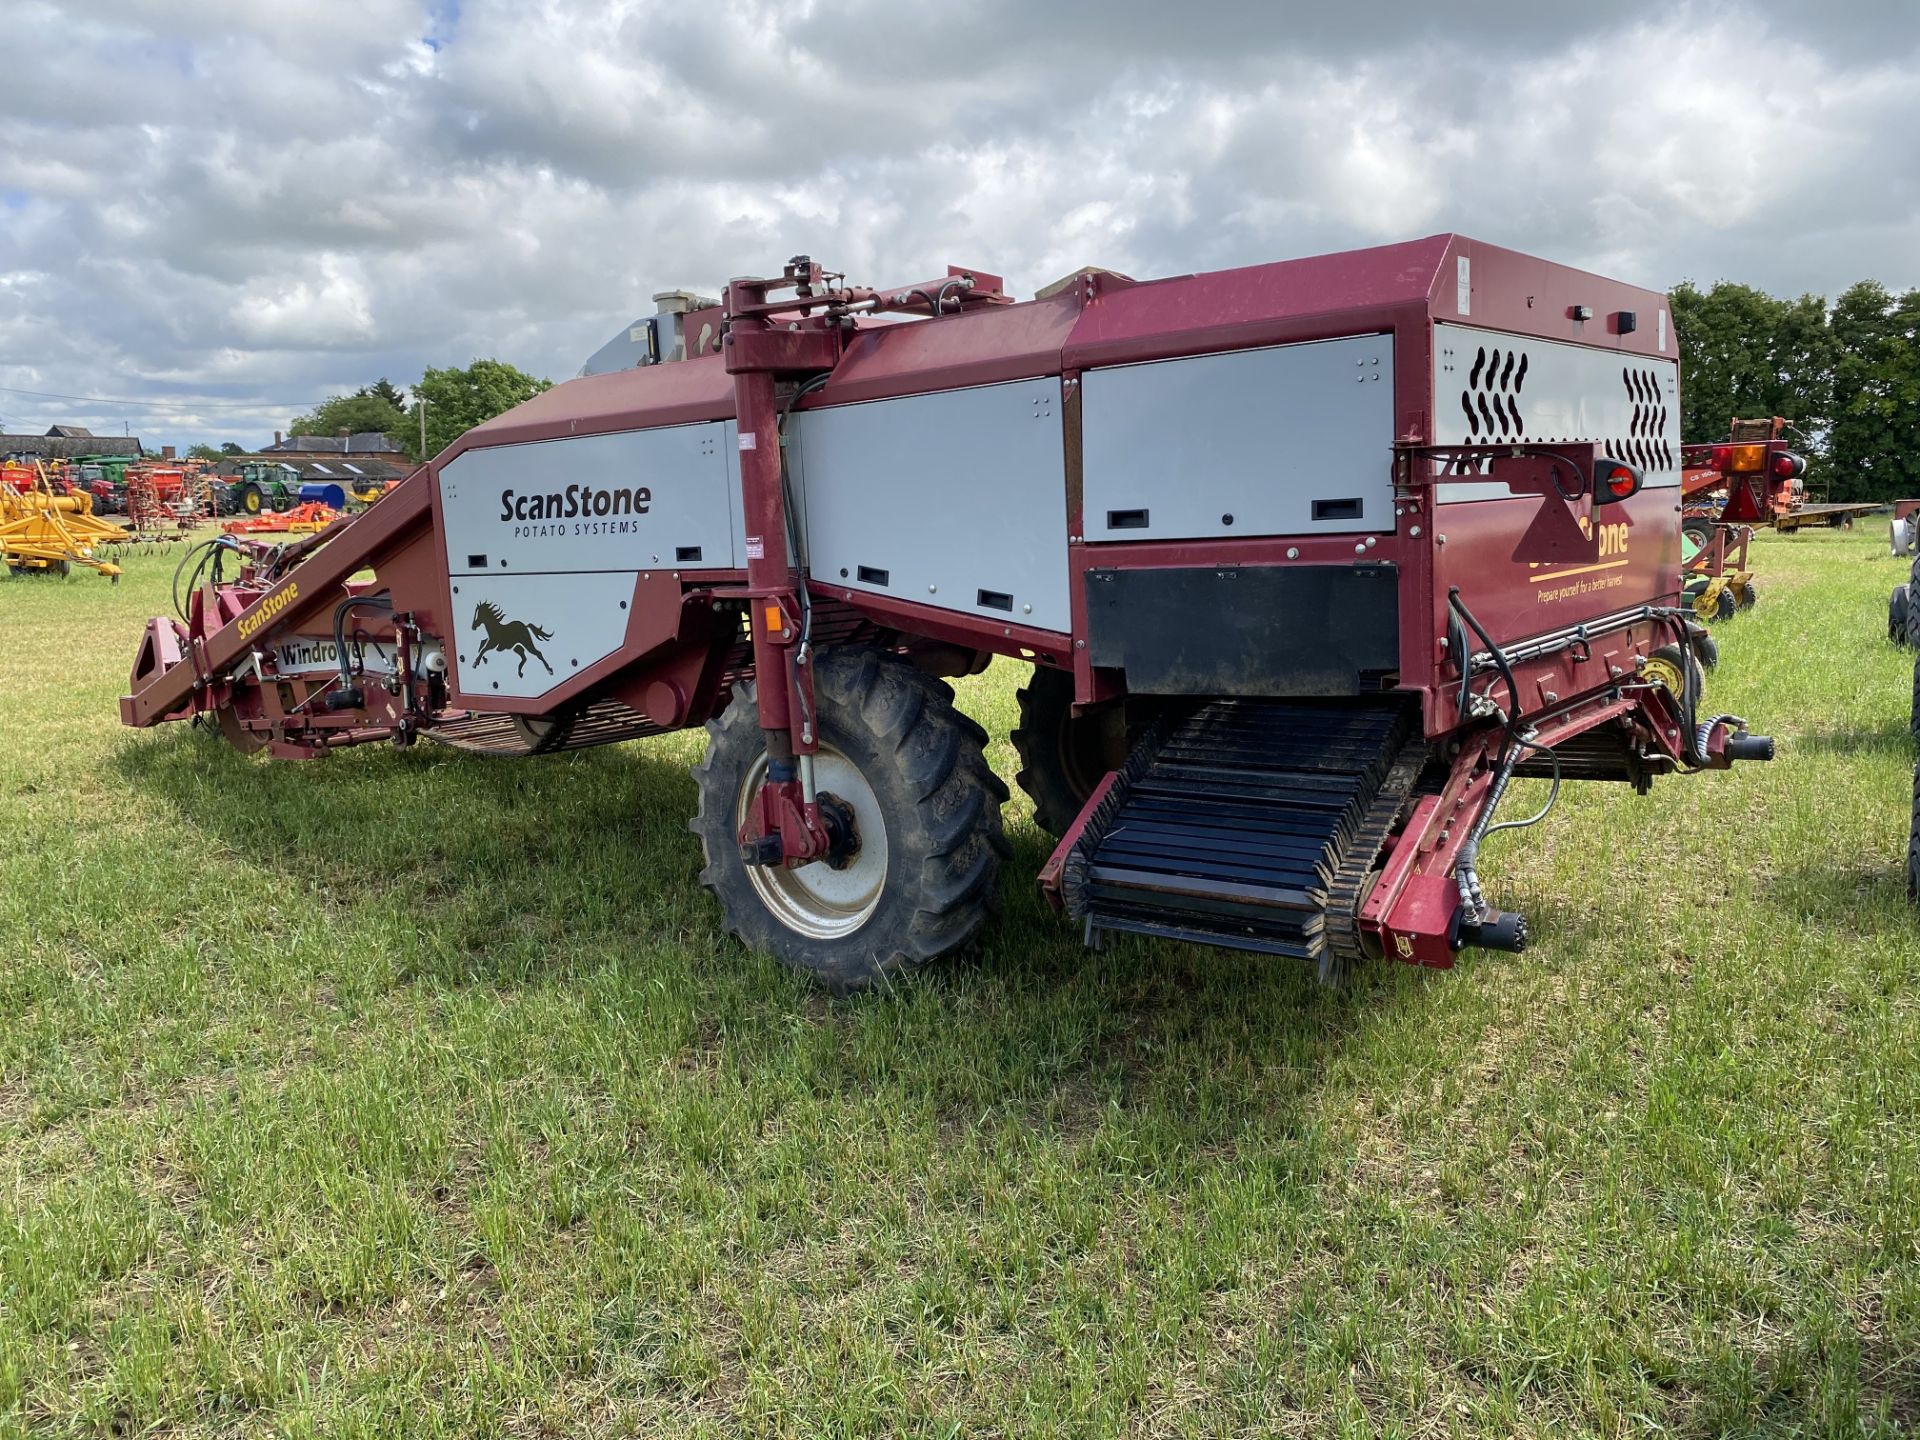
(1847, 375)
(456, 400)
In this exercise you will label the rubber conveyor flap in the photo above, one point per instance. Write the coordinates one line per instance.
(1228, 827)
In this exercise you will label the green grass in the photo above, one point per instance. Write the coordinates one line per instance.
(410, 1093)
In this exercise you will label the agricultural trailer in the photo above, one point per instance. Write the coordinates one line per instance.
(1311, 561)
(1755, 477)
(1727, 488)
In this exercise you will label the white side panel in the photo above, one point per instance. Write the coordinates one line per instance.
(552, 536)
(1293, 440)
(956, 500)
(626, 501)
(1489, 387)
(522, 635)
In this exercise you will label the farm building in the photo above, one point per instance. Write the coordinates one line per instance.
(65, 442)
(350, 460)
(353, 471)
(370, 442)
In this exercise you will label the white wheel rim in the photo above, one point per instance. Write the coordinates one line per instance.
(818, 900)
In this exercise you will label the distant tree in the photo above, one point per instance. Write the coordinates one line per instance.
(383, 389)
(203, 452)
(228, 447)
(458, 400)
(1745, 353)
(1873, 445)
(359, 414)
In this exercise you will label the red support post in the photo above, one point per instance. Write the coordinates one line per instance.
(785, 826)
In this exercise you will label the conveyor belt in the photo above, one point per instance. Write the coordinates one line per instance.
(1232, 826)
(605, 723)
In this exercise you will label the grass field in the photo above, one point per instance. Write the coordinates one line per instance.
(411, 1093)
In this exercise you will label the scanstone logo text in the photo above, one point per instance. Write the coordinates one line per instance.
(572, 503)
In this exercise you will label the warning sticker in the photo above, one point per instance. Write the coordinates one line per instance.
(749, 440)
(756, 546)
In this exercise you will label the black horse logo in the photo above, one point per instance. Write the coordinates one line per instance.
(504, 635)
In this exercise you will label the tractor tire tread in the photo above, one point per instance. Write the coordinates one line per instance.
(942, 801)
(1045, 703)
(1913, 609)
(1913, 719)
(1913, 828)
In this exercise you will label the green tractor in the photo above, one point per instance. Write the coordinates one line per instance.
(259, 486)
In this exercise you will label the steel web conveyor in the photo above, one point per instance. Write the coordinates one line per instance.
(1237, 825)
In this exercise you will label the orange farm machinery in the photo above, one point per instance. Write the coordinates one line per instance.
(1311, 560)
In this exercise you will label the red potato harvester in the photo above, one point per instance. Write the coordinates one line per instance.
(1311, 560)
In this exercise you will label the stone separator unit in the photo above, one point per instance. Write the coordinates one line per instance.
(1310, 559)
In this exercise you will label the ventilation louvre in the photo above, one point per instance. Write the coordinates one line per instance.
(1491, 401)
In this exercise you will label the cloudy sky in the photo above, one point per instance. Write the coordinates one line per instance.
(235, 208)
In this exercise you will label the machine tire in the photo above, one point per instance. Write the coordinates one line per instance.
(1725, 604)
(1913, 837)
(1706, 650)
(247, 742)
(893, 730)
(1062, 756)
(1699, 531)
(1748, 597)
(1670, 663)
(1913, 610)
(1897, 605)
(1913, 716)
(251, 501)
(543, 734)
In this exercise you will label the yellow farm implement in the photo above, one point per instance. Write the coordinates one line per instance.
(43, 531)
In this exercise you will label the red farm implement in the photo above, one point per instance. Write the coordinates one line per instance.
(1726, 489)
(1311, 561)
(1752, 478)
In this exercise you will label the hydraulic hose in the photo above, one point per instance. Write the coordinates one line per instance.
(1459, 607)
(368, 602)
(212, 554)
(1465, 866)
(795, 545)
(956, 282)
(1466, 875)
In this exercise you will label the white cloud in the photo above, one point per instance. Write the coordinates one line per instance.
(220, 200)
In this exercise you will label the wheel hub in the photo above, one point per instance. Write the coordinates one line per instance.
(834, 898)
(843, 831)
